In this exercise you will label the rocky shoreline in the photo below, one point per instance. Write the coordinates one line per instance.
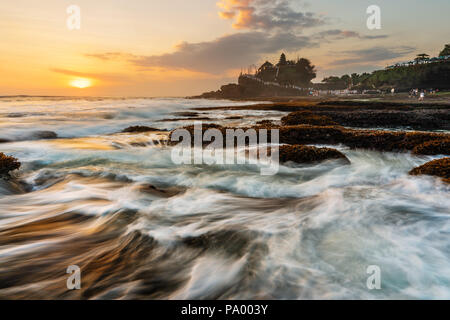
(344, 122)
(358, 114)
(308, 123)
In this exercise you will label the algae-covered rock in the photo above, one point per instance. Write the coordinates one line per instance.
(306, 117)
(439, 168)
(433, 147)
(309, 154)
(8, 164)
(140, 129)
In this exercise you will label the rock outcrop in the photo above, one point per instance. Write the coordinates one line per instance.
(140, 129)
(433, 147)
(8, 164)
(309, 154)
(438, 168)
(306, 117)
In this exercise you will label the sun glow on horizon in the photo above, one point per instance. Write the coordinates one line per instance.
(81, 83)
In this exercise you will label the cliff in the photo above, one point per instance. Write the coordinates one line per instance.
(249, 87)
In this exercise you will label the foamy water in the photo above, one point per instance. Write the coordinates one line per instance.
(140, 226)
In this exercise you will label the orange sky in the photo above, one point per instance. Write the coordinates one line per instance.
(161, 48)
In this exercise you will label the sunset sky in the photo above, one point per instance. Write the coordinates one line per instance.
(180, 47)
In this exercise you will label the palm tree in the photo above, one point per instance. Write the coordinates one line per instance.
(422, 57)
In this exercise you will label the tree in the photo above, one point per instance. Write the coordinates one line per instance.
(305, 72)
(331, 80)
(422, 57)
(446, 51)
(346, 79)
(283, 60)
(355, 79)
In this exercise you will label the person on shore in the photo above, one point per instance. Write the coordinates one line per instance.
(422, 96)
(392, 91)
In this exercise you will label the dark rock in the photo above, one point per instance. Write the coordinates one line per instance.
(251, 88)
(161, 192)
(367, 114)
(229, 241)
(439, 168)
(267, 123)
(139, 129)
(191, 130)
(306, 117)
(364, 139)
(234, 118)
(7, 164)
(309, 154)
(44, 135)
(433, 147)
(390, 141)
(185, 114)
(185, 119)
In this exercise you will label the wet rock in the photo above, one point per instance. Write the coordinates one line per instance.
(8, 164)
(268, 123)
(44, 135)
(309, 154)
(363, 114)
(433, 147)
(185, 114)
(185, 119)
(234, 118)
(140, 129)
(438, 168)
(306, 117)
(365, 139)
(380, 140)
(161, 192)
(191, 130)
(234, 242)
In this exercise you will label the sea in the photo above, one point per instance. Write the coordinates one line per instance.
(138, 226)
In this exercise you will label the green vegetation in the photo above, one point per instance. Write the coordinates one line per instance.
(442, 93)
(422, 76)
(445, 51)
(421, 73)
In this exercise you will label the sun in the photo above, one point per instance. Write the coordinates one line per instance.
(81, 83)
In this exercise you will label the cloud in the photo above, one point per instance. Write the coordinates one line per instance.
(110, 55)
(266, 15)
(225, 53)
(374, 54)
(336, 34)
(381, 36)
